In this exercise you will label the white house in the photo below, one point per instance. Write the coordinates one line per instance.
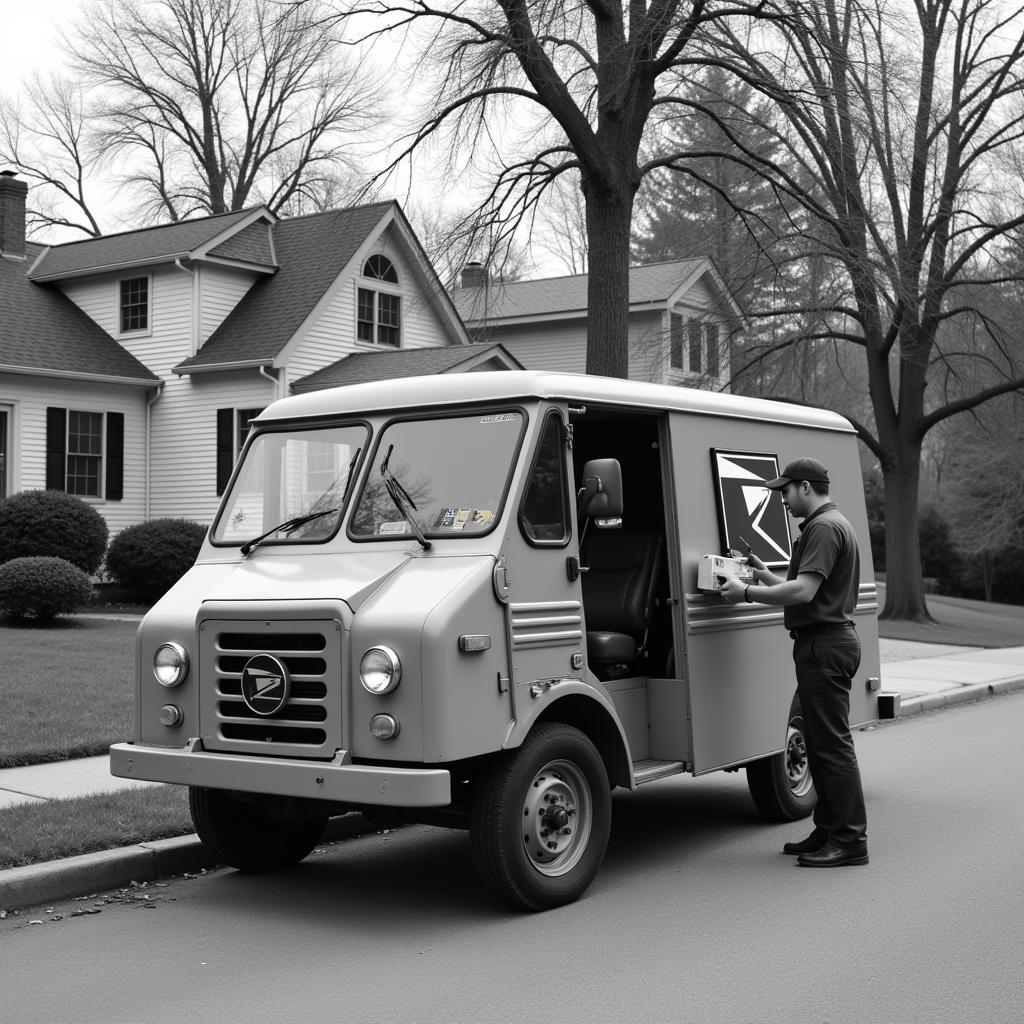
(130, 365)
(681, 319)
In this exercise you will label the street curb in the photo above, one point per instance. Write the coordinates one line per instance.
(114, 869)
(961, 695)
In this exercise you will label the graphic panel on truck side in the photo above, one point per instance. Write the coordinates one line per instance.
(749, 513)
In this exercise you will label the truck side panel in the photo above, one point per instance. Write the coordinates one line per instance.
(738, 659)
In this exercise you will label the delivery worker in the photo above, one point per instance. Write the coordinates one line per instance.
(819, 595)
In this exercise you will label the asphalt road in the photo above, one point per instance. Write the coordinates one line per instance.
(696, 917)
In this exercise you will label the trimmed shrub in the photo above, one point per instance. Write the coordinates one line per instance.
(40, 587)
(52, 524)
(149, 558)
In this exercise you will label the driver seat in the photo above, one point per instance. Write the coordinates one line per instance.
(618, 593)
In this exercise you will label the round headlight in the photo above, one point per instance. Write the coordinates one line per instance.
(170, 664)
(380, 671)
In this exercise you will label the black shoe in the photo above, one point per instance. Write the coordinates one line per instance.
(812, 844)
(832, 856)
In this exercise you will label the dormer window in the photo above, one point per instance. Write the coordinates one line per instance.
(379, 309)
(134, 304)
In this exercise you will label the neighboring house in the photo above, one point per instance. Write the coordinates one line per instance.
(131, 365)
(681, 320)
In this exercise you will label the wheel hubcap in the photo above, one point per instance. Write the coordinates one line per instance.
(557, 817)
(797, 769)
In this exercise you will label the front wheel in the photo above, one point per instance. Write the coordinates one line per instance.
(781, 785)
(541, 817)
(251, 832)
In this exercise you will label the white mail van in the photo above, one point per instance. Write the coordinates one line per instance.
(472, 600)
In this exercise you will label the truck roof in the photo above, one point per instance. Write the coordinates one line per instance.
(459, 389)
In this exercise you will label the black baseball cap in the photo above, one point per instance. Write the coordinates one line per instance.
(801, 469)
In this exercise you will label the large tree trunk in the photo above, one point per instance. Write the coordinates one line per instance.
(904, 586)
(608, 224)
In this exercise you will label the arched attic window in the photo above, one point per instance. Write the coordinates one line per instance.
(379, 309)
(380, 268)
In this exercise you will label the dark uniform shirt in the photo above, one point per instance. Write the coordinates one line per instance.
(828, 546)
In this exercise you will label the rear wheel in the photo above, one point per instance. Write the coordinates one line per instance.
(541, 818)
(252, 832)
(781, 785)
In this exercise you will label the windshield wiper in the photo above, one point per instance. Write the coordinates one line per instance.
(288, 526)
(399, 495)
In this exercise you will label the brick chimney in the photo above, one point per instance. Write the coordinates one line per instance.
(475, 275)
(12, 215)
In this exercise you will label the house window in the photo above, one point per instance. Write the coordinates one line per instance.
(232, 430)
(245, 418)
(714, 356)
(381, 269)
(379, 310)
(676, 342)
(696, 335)
(135, 304)
(85, 453)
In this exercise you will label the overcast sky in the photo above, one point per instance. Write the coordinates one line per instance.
(27, 42)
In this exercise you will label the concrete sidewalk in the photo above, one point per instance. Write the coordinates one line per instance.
(924, 676)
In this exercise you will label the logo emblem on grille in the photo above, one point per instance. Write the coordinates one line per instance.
(266, 685)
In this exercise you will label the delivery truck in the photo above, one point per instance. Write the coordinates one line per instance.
(483, 600)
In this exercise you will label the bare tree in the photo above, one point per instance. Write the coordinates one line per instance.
(905, 130)
(564, 234)
(536, 89)
(203, 105)
(43, 136)
(983, 496)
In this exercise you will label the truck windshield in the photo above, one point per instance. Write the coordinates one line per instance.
(439, 477)
(290, 475)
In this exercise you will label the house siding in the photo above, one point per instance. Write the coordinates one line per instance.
(561, 346)
(330, 332)
(558, 346)
(29, 397)
(170, 337)
(220, 290)
(184, 452)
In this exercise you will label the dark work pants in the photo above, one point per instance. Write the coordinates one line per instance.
(825, 666)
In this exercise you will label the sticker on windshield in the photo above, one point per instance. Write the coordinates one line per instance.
(460, 518)
(395, 526)
(508, 417)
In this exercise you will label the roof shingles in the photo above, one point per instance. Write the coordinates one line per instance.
(553, 295)
(130, 248)
(362, 367)
(43, 331)
(311, 252)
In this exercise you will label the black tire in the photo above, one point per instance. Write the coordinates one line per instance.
(540, 819)
(781, 785)
(250, 832)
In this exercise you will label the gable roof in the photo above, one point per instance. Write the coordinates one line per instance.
(311, 252)
(162, 243)
(363, 367)
(651, 285)
(42, 331)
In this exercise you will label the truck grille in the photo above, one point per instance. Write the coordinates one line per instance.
(309, 724)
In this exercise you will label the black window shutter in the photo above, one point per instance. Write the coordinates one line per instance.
(225, 447)
(114, 490)
(56, 448)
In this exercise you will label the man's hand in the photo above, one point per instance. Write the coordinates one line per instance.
(733, 590)
(755, 561)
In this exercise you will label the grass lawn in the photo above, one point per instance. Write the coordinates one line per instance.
(33, 833)
(66, 690)
(959, 621)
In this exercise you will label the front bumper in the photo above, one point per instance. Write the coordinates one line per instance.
(366, 785)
